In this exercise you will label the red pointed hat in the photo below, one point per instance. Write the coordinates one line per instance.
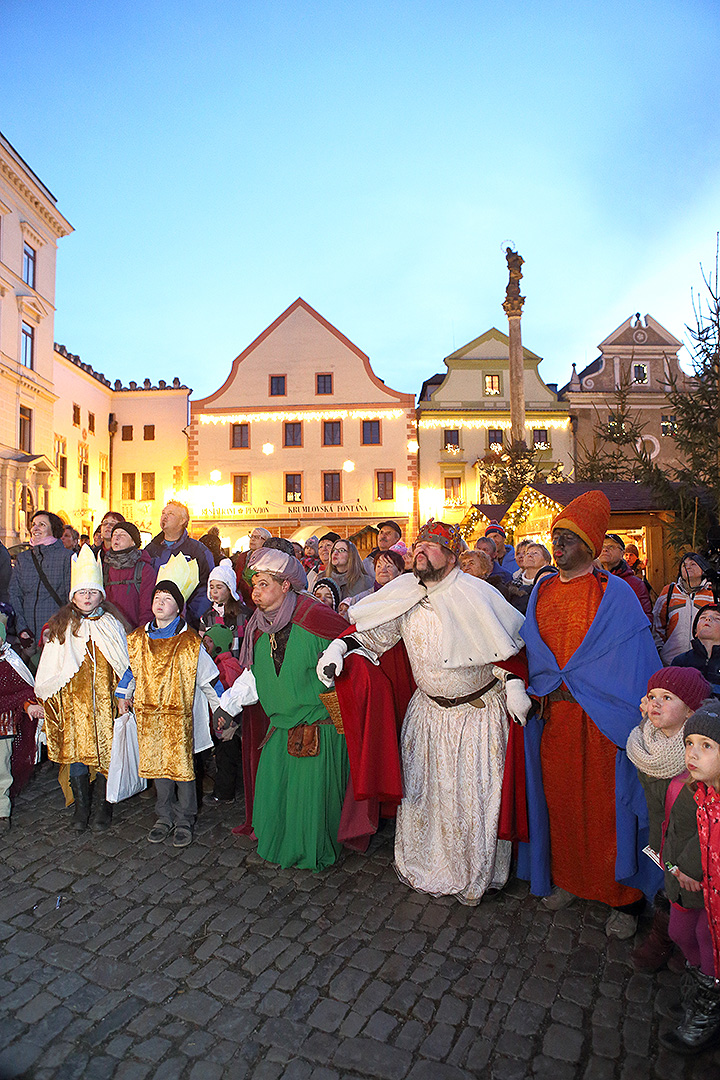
(437, 532)
(588, 517)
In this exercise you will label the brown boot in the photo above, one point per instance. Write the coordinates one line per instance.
(657, 948)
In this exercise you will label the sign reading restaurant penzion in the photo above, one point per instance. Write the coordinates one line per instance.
(302, 433)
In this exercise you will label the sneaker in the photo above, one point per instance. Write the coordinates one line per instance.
(620, 925)
(183, 836)
(558, 899)
(159, 832)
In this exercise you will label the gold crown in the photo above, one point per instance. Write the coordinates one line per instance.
(183, 572)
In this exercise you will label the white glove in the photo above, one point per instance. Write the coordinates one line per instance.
(333, 658)
(242, 692)
(518, 702)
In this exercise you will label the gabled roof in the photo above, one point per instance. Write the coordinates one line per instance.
(493, 334)
(636, 333)
(624, 495)
(406, 399)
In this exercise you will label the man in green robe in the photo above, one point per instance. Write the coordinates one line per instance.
(303, 769)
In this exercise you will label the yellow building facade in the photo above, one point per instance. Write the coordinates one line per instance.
(302, 437)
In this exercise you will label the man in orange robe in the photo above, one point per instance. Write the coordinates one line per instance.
(590, 653)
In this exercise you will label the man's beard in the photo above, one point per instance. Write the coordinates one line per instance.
(429, 573)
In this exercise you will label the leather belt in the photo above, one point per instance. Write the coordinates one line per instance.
(561, 694)
(475, 698)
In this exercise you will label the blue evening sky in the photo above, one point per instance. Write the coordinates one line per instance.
(220, 159)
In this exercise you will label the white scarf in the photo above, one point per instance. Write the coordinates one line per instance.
(58, 663)
(478, 625)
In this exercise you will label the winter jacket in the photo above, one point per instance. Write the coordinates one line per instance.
(697, 657)
(31, 600)
(623, 571)
(159, 551)
(673, 615)
(708, 819)
(682, 843)
(130, 587)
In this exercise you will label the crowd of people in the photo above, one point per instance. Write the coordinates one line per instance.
(505, 706)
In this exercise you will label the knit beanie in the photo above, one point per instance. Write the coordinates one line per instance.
(132, 531)
(588, 517)
(705, 721)
(685, 682)
(168, 585)
(331, 585)
(224, 573)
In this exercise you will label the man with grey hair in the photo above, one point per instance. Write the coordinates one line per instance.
(173, 539)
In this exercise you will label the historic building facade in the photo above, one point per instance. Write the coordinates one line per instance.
(30, 227)
(302, 437)
(115, 446)
(465, 414)
(642, 359)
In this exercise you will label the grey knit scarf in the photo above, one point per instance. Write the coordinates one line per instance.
(654, 754)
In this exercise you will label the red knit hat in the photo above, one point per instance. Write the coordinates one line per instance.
(588, 517)
(685, 682)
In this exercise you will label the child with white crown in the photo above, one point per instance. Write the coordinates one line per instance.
(83, 659)
(173, 685)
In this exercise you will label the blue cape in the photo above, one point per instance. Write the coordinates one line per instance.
(607, 676)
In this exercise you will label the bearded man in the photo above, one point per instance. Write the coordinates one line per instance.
(457, 630)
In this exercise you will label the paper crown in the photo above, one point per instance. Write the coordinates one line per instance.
(86, 571)
(437, 532)
(182, 572)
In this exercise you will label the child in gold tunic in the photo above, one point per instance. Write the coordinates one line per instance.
(173, 686)
(81, 663)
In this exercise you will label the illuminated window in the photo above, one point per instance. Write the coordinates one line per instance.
(668, 425)
(240, 436)
(385, 485)
(148, 486)
(453, 490)
(451, 440)
(25, 430)
(640, 373)
(293, 487)
(128, 485)
(331, 487)
(332, 432)
(86, 478)
(241, 487)
(492, 385)
(495, 438)
(324, 384)
(540, 439)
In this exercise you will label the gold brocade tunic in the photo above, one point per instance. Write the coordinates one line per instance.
(79, 718)
(165, 671)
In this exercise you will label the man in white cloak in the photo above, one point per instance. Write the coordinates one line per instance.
(456, 629)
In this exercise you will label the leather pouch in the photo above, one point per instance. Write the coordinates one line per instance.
(304, 741)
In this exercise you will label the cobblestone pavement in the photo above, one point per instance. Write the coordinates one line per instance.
(123, 959)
